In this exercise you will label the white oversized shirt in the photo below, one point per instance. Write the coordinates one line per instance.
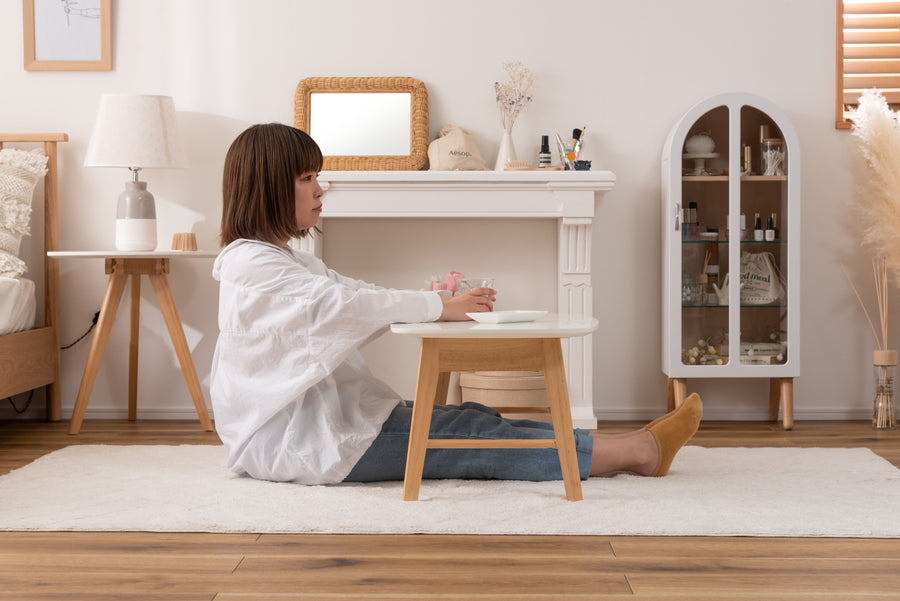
(292, 396)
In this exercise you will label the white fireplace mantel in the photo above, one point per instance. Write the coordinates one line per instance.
(566, 196)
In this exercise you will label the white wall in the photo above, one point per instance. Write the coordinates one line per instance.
(627, 70)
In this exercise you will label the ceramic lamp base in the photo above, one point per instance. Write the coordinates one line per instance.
(135, 234)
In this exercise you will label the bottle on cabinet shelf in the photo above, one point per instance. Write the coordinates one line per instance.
(691, 230)
(758, 233)
(770, 228)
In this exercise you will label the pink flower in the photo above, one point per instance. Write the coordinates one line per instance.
(451, 280)
(436, 285)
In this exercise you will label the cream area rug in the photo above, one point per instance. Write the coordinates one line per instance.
(710, 492)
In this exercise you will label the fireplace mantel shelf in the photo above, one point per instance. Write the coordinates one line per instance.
(440, 193)
(569, 197)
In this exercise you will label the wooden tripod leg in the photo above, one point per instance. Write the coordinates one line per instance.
(167, 305)
(133, 345)
(426, 392)
(114, 290)
(561, 414)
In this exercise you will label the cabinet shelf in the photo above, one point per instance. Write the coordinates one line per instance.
(724, 178)
(776, 306)
(742, 242)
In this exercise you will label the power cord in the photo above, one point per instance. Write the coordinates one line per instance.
(80, 338)
(68, 346)
(27, 403)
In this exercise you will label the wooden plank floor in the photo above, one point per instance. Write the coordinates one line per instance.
(243, 567)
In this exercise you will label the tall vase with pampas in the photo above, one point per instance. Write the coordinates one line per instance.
(512, 97)
(877, 131)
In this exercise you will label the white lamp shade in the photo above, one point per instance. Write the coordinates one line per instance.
(139, 131)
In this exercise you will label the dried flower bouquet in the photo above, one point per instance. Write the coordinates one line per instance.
(514, 95)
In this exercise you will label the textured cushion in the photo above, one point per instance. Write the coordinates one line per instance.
(19, 172)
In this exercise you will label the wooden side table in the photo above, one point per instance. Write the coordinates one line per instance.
(470, 346)
(120, 265)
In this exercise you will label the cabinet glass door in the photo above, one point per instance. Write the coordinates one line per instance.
(704, 240)
(764, 244)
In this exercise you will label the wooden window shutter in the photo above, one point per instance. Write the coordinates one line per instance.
(868, 53)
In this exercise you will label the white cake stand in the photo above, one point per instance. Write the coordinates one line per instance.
(699, 159)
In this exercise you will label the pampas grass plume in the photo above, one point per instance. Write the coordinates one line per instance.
(877, 131)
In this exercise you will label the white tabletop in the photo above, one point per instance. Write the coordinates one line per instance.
(122, 254)
(549, 326)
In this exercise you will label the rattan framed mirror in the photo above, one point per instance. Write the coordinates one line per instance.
(365, 123)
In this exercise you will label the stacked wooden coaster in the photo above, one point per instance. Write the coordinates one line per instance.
(186, 241)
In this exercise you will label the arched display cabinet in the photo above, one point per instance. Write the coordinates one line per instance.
(729, 159)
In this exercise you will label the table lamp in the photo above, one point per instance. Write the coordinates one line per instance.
(138, 132)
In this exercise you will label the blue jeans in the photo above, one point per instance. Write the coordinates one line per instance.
(386, 458)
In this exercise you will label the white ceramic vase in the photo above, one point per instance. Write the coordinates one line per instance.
(507, 151)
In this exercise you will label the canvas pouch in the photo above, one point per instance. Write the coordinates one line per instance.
(761, 282)
(455, 149)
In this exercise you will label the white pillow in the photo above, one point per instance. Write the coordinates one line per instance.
(19, 172)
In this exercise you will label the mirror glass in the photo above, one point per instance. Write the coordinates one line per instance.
(376, 124)
(365, 122)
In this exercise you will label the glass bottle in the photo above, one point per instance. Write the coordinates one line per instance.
(884, 415)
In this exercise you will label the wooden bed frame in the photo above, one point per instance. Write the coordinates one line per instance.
(30, 359)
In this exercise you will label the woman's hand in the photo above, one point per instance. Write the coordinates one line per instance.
(479, 300)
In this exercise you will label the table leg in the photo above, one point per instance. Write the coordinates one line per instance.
(561, 414)
(443, 387)
(426, 392)
(114, 290)
(133, 345)
(167, 306)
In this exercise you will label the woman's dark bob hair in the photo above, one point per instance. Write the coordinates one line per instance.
(261, 167)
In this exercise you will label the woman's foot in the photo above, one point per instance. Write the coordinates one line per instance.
(673, 430)
(647, 451)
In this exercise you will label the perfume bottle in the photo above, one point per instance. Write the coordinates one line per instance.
(544, 156)
(770, 228)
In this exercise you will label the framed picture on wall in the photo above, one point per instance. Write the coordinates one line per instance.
(67, 35)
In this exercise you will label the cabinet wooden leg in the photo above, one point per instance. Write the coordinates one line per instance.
(426, 392)
(670, 395)
(114, 290)
(167, 305)
(787, 403)
(133, 345)
(774, 398)
(679, 391)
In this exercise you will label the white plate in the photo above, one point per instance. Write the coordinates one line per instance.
(506, 316)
